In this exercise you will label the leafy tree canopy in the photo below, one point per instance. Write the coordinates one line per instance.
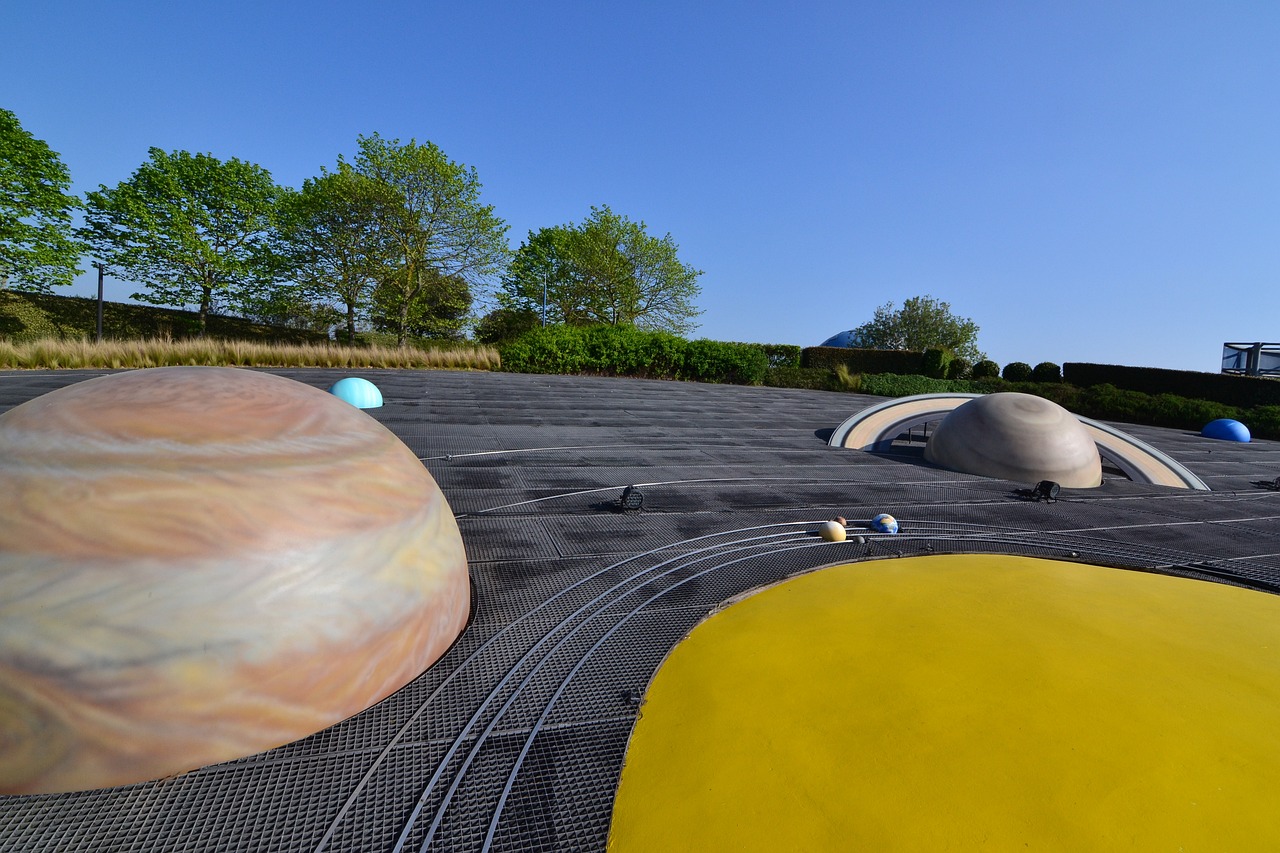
(437, 232)
(331, 240)
(195, 230)
(438, 308)
(37, 247)
(505, 324)
(607, 269)
(921, 323)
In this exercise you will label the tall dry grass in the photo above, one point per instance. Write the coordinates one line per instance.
(53, 353)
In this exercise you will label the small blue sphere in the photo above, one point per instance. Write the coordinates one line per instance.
(884, 523)
(1226, 429)
(360, 393)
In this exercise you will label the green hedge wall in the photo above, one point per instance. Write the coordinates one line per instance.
(719, 361)
(30, 316)
(1244, 391)
(1104, 402)
(935, 362)
(862, 360)
(900, 385)
(627, 351)
(810, 378)
(780, 355)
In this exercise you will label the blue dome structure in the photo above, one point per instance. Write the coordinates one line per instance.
(843, 339)
(1226, 429)
(360, 393)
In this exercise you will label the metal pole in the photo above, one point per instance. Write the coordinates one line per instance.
(544, 298)
(102, 270)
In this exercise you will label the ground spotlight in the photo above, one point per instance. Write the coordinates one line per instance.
(631, 499)
(1045, 490)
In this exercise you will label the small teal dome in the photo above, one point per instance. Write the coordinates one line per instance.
(1226, 429)
(360, 393)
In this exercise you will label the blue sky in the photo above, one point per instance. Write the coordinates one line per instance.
(1087, 181)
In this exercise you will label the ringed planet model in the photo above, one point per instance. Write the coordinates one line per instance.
(1016, 437)
(1012, 436)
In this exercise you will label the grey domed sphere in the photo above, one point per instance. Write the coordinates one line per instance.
(1016, 437)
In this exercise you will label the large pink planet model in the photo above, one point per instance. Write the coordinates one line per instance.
(197, 564)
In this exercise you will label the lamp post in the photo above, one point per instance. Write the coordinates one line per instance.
(102, 271)
(546, 271)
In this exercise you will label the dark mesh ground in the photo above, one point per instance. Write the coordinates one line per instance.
(515, 739)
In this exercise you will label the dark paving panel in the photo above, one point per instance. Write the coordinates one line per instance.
(519, 731)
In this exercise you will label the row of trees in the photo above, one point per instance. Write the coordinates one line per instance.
(397, 238)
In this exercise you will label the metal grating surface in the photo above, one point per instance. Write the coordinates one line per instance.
(515, 739)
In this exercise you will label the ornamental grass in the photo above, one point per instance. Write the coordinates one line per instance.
(61, 354)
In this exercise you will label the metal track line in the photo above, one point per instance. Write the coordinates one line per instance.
(528, 679)
(537, 727)
(528, 655)
(705, 552)
(802, 481)
(323, 843)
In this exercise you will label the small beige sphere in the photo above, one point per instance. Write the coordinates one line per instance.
(832, 531)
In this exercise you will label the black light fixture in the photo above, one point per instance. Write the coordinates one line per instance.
(631, 499)
(1045, 490)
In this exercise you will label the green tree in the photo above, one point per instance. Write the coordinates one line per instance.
(607, 269)
(434, 222)
(38, 249)
(331, 240)
(540, 273)
(195, 230)
(505, 324)
(291, 305)
(921, 323)
(438, 309)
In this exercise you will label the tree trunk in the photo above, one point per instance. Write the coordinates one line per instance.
(402, 340)
(403, 331)
(206, 299)
(351, 323)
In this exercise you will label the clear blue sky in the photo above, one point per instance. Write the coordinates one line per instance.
(1087, 181)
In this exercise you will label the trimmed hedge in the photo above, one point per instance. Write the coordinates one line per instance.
(862, 360)
(1017, 371)
(1046, 371)
(898, 385)
(1245, 391)
(719, 361)
(809, 378)
(935, 362)
(1104, 402)
(781, 355)
(985, 369)
(627, 351)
